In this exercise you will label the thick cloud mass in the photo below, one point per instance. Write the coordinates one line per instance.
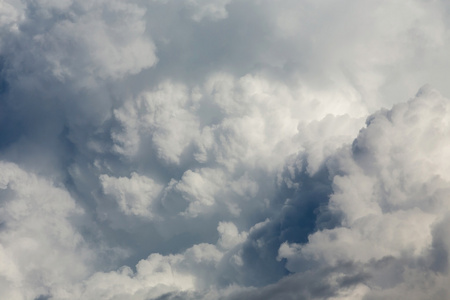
(390, 192)
(217, 149)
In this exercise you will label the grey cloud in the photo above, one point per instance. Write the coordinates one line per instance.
(211, 142)
(393, 206)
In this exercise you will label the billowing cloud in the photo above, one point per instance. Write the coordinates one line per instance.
(134, 195)
(42, 252)
(78, 40)
(217, 149)
(389, 191)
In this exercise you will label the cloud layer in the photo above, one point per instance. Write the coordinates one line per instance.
(217, 149)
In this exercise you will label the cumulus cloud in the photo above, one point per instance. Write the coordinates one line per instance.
(134, 195)
(389, 192)
(217, 149)
(79, 41)
(158, 275)
(164, 115)
(42, 252)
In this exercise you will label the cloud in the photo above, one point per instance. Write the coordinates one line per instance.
(389, 190)
(160, 275)
(42, 252)
(79, 41)
(217, 149)
(134, 195)
(214, 10)
(164, 115)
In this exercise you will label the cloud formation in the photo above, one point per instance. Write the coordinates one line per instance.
(390, 192)
(41, 250)
(217, 149)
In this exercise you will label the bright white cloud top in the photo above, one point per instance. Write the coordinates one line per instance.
(224, 149)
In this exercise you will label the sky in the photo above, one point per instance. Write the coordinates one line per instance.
(224, 149)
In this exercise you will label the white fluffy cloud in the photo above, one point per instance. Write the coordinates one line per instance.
(217, 149)
(165, 115)
(389, 191)
(158, 275)
(134, 195)
(42, 253)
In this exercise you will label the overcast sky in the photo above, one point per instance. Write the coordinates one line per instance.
(194, 149)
